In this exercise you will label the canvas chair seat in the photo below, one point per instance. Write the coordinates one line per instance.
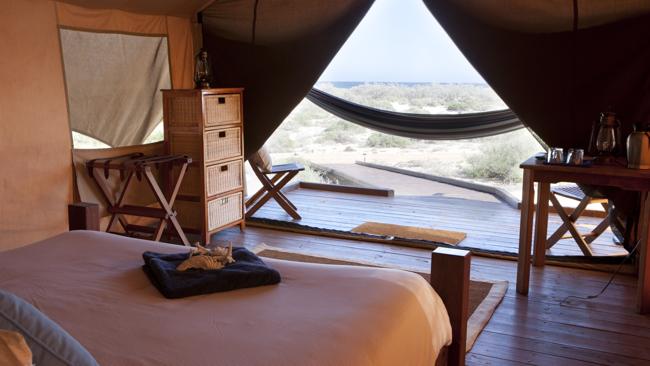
(574, 192)
(273, 179)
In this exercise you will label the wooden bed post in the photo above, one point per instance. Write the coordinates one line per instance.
(450, 278)
(83, 216)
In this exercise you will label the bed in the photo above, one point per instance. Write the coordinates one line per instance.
(92, 284)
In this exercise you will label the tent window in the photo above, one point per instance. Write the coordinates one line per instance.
(113, 83)
(400, 59)
(81, 141)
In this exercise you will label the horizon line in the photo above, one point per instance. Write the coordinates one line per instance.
(397, 82)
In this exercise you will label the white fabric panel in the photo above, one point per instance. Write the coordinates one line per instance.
(113, 83)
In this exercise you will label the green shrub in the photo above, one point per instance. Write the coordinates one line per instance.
(341, 125)
(336, 136)
(382, 140)
(281, 141)
(497, 160)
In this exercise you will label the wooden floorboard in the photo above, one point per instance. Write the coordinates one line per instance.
(540, 329)
(488, 225)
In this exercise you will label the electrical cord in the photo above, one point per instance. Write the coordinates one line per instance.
(611, 279)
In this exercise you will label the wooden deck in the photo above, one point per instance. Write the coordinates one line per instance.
(489, 224)
(545, 328)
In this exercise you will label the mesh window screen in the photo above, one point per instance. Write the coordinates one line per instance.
(113, 83)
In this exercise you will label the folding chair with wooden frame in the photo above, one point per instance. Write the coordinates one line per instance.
(569, 220)
(272, 183)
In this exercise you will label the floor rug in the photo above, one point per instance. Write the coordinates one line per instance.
(595, 263)
(410, 232)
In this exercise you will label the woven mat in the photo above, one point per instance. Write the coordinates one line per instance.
(410, 232)
(484, 296)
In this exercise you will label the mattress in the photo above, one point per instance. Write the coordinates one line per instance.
(92, 285)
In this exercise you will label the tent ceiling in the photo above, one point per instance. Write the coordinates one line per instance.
(154, 7)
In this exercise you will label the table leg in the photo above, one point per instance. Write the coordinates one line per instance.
(643, 286)
(525, 232)
(541, 223)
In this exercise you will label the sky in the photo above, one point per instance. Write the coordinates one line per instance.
(400, 41)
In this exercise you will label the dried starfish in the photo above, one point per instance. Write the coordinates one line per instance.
(204, 258)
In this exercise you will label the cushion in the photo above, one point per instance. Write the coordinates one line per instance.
(262, 159)
(49, 343)
(13, 349)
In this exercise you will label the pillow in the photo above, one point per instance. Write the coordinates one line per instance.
(13, 349)
(262, 159)
(49, 343)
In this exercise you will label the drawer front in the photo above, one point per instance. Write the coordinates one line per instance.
(222, 144)
(222, 109)
(224, 210)
(224, 177)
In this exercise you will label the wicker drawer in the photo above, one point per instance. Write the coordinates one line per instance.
(224, 210)
(222, 144)
(222, 109)
(224, 177)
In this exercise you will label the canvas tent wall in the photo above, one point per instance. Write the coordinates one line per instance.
(556, 80)
(36, 181)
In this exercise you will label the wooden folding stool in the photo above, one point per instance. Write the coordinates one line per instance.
(583, 240)
(272, 183)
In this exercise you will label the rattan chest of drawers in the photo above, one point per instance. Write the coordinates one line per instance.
(207, 125)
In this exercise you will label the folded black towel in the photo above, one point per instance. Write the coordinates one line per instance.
(247, 271)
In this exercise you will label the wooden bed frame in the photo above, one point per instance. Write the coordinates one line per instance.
(450, 277)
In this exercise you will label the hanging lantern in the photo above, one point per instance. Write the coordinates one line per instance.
(203, 71)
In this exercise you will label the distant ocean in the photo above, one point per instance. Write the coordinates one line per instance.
(351, 84)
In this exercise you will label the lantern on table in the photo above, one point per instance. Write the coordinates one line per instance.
(605, 137)
(202, 70)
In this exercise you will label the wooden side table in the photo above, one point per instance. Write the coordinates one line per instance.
(604, 175)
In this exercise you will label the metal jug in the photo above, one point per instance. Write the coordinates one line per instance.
(638, 150)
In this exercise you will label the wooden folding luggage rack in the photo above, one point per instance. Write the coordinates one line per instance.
(139, 165)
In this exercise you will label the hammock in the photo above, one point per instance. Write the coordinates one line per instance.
(421, 126)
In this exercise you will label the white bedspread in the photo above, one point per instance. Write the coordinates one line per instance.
(92, 284)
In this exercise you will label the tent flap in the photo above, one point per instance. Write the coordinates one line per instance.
(116, 62)
(114, 82)
(280, 68)
(558, 82)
